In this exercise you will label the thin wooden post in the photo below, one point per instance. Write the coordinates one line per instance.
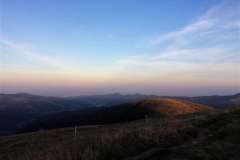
(147, 119)
(75, 133)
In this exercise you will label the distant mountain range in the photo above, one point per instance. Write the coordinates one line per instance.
(113, 99)
(18, 109)
(116, 99)
(215, 101)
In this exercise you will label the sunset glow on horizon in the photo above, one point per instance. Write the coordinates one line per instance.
(184, 48)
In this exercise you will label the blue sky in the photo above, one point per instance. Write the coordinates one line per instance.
(180, 47)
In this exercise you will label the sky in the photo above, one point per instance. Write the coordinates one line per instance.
(84, 47)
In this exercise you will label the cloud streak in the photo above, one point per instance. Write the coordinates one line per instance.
(37, 57)
(217, 20)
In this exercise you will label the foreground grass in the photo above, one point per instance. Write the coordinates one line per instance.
(123, 140)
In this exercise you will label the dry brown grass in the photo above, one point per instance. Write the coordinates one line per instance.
(123, 140)
(172, 107)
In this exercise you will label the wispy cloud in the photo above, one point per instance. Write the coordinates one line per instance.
(217, 20)
(36, 57)
(209, 41)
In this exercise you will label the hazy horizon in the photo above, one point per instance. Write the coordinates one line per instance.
(172, 48)
(74, 94)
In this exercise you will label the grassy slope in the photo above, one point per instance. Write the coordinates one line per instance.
(123, 140)
(171, 107)
(223, 141)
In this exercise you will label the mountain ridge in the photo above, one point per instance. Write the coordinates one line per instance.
(153, 108)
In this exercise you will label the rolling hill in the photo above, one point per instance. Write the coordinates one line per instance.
(27, 103)
(215, 101)
(17, 109)
(154, 108)
(171, 107)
